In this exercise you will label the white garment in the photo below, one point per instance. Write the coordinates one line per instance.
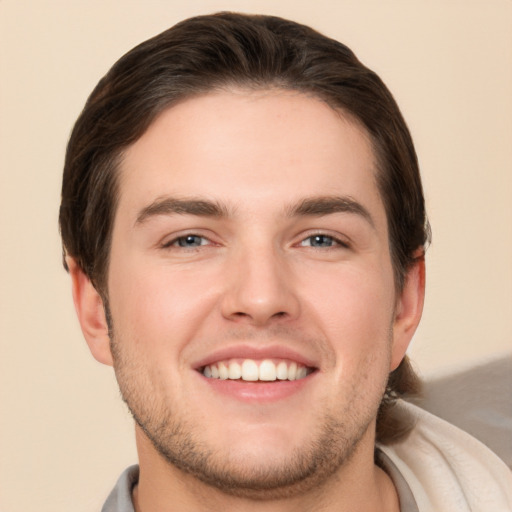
(444, 468)
(448, 470)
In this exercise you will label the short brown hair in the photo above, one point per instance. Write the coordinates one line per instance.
(206, 53)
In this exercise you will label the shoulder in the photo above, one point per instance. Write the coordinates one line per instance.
(447, 469)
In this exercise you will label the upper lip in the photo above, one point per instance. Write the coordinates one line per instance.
(255, 352)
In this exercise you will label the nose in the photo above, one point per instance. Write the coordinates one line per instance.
(260, 289)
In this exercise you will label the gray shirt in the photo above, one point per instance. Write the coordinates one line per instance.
(120, 499)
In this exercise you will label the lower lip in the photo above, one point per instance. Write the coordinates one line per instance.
(258, 392)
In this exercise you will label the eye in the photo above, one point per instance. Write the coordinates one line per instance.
(188, 241)
(321, 241)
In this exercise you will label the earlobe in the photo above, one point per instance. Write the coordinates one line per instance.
(408, 310)
(91, 313)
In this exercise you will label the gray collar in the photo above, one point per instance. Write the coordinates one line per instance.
(120, 499)
(405, 496)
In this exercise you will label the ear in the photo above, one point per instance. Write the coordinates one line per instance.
(409, 308)
(91, 313)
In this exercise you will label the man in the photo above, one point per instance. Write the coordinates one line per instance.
(243, 220)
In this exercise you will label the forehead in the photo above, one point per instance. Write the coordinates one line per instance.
(245, 148)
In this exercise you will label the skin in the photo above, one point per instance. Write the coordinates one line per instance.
(254, 279)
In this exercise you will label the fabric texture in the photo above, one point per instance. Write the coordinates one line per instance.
(447, 469)
(438, 468)
(478, 399)
(405, 495)
(120, 499)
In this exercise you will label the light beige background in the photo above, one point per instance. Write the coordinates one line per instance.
(64, 433)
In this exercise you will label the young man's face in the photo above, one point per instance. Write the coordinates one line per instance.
(250, 237)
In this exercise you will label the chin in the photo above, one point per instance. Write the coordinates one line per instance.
(260, 467)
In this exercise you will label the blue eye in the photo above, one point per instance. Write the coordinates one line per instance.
(319, 241)
(190, 241)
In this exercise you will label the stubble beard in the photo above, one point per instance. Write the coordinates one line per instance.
(309, 467)
(178, 441)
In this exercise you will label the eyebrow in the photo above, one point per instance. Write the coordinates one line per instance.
(326, 205)
(191, 206)
(311, 206)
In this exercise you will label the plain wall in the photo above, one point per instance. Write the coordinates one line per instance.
(64, 433)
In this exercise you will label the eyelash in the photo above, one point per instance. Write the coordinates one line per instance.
(176, 241)
(335, 242)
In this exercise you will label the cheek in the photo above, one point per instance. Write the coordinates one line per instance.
(354, 308)
(157, 307)
(357, 317)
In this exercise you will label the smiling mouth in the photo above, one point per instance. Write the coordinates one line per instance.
(252, 370)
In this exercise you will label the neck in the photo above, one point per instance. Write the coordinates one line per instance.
(357, 486)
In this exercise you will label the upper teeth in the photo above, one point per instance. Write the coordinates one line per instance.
(251, 370)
